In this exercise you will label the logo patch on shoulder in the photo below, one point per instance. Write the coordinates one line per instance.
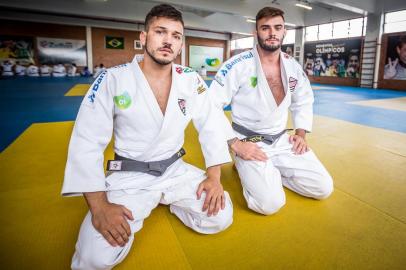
(122, 101)
(201, 89)
(292, 84)
(187, 70)
(179, 70)
(253, 81)
(182, 105)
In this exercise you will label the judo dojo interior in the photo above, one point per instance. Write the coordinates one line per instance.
(359, 134)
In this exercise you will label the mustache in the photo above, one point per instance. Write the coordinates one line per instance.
(166, 46)
(272, 37)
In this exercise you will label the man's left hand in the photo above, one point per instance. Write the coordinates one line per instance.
(215, 198)
(299, 142)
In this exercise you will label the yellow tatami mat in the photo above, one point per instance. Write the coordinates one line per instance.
(361, 226)
(79, 89)
(387, 103)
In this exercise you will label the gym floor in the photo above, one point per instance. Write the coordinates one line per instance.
(359, 135)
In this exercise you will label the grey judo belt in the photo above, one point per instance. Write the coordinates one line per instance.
(156, 168)
(255, 137)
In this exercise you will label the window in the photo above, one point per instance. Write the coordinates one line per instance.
(340, 29)
(395, 21)
(242, 43)
(312, 33)
(356, 27)
(290, 37)
(325, 31)
(397, 16)
(395, 27)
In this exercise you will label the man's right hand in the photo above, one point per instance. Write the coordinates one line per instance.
(248, 151)
(109, 219)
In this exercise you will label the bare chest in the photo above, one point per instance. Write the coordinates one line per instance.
(274, 79)
(161, 90)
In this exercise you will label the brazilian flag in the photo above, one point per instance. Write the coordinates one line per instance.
(114, 43)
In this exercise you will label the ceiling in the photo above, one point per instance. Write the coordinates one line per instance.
(214, 15)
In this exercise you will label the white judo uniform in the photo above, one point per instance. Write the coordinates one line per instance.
(72, 71)
(97, 70)
(59, 71)
(20, 70)
(45, 71)
(32, 71)
(121, 101)
(241, 82)
(7, 69)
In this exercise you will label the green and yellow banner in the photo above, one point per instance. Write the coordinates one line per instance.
(114, 43)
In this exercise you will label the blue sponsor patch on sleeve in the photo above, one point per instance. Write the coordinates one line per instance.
(233, 61)
(95, 86)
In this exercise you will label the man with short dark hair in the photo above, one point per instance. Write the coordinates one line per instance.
(262, 85)
(147, 104)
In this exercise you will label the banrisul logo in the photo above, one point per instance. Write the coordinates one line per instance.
(122, 101)
(96, 85)
(213, 62)
(230, 63)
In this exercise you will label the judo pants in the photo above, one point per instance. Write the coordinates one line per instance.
(94, 252)
(263, 182)
(7, 73)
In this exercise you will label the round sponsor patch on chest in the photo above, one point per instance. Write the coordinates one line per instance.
(122, 101)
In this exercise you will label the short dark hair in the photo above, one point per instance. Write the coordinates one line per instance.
(165, 11)
(401, 42)
(269, 12)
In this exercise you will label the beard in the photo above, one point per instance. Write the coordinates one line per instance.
(162, 62)
(269, 48)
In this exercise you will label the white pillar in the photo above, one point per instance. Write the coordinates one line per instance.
(183, 54)
(299, 45)
(378, 47)
(89, 50)
(371, 51)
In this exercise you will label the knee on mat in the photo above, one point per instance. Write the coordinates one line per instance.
(268, 205)
(223, 219)
(324, 189)
(217, 223)
(92, 259)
